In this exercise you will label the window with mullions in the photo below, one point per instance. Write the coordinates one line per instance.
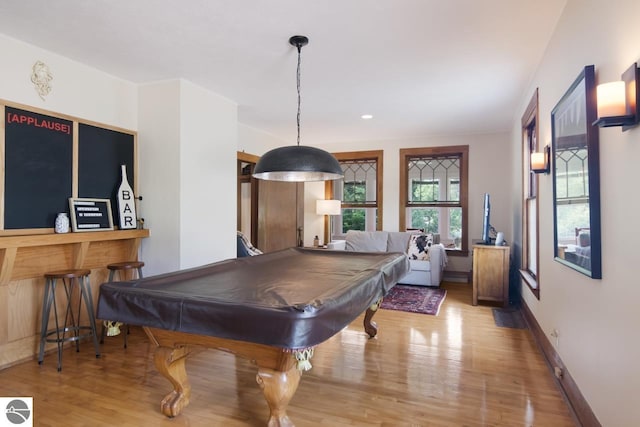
(434, 192)
(572, 192)
(354, 193)
(360, 192)
(530, 208)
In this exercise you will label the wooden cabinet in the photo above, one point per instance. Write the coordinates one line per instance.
(491, 274)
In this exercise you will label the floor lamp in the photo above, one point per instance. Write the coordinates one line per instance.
(329, 207)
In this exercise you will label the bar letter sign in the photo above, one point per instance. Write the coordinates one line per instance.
(126, 203)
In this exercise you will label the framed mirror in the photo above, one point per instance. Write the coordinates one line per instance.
(576, 177)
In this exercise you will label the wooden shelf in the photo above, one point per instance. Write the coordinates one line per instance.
(30, 256)
(69, 238)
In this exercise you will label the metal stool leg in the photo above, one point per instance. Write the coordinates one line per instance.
(72, 328)
(103, 329)
(59, 342)
(46, 310)
(75, 319)
(122, 269)
(85, 290)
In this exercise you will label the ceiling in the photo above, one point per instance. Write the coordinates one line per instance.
(420, 67)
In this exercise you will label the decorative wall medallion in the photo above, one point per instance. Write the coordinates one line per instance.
(41, 78)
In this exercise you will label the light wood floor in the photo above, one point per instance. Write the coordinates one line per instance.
(456, 369)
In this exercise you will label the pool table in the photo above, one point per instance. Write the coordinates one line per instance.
(272, 309)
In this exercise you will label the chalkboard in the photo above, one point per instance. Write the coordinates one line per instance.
(42, 170)
(100, 154)
(38, 168)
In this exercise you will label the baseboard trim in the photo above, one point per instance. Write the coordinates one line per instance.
(455, 276)
(578, 404)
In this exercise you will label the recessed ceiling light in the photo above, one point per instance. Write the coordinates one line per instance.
(366, 116)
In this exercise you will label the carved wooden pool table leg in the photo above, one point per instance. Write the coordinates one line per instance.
(170, 362)
(370, 327)
(278, 388)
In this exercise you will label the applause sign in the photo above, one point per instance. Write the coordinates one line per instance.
(37, 121)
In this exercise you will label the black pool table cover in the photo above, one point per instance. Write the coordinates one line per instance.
(294, 298)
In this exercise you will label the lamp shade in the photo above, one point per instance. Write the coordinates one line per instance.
(611, 99)
(328, 207)
(297, 163)
(538, 161)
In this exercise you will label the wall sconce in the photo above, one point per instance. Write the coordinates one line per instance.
(540, 161)
(329, 207)
(618, 101)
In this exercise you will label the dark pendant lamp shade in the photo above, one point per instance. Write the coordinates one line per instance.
(298, 163)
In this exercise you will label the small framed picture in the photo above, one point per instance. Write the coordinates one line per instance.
(90, 214)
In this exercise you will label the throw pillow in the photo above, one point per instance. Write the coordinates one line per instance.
(419, 245)
(366, 241)
(248, 247)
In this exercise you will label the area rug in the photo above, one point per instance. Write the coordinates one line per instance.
(415, 299)
(509, 318)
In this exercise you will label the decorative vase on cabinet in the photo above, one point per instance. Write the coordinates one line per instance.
(62, 223)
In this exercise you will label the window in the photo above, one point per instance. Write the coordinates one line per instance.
(572, 192)
(433, 193)
(360, 192)
(529, 267)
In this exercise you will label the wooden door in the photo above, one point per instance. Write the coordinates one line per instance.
(247, 196)
(270, 213)
(280, 214)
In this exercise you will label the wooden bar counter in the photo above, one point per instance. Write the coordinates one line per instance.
(23, 261)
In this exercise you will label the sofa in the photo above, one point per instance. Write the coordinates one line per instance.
(427, 257)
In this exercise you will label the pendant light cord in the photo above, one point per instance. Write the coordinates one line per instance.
(298, 90)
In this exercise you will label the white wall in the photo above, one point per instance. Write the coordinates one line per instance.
(313, 223)
(489, 169)
(187, 144)
(77, 90)
(159, 174)
(256, 142)
(597, 320)
(208, 176)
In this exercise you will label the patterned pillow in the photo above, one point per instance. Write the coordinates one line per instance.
(419, 245)
(251, 250)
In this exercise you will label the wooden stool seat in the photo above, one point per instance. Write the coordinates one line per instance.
(72, 325)
(67, 274)
(124, 267)
(121, 268)
(127, 265)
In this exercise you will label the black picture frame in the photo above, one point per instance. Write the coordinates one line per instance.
(90, 214)
(576, 177)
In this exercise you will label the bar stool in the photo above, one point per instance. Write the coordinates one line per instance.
(121, 268)
(72, 323)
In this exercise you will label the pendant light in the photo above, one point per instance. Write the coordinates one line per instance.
(297, 163)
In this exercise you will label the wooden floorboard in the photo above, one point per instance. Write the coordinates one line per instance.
(454, 369)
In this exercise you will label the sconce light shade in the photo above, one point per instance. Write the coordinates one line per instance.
(540, 161)
(618, 101)
(611, 99)
(328, 207)
(297, 163)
